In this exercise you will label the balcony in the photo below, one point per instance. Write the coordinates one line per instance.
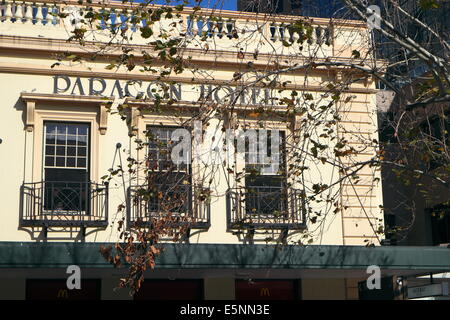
(229, 31)
(64, 204)
(180, 205)
(265, 208)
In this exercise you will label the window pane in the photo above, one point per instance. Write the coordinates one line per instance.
(171, 182)
(160, 149)
(49, 161)
(60, 161)
(153, 154)
(83, 129)
(166, 165)
(66, 189)
(61, 151)
(263, 158)
(71, 151)
(60, 139)
(81, 162)
(71, 139)
(51, 129)
(72, 129)
(71, 162)
(264, 190)
(171, 191)
(61, 129)
(50, 150)
(68, 137)
(50, 139)
(82, 140)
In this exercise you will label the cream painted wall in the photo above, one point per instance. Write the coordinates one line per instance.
(20, 160)
(16, 169)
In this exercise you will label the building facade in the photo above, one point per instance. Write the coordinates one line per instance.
(61, 129)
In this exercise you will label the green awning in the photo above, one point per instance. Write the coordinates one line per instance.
(215, 256)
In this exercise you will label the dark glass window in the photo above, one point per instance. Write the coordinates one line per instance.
(307, 8)
(265, 191)
(66, 166)
(387, 129)
(440, 223)
(169, 182)
(66, 145)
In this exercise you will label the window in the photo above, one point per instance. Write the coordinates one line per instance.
(387, 129)
(265, 181)
(390, 229)
(66, 166)
(160, 148)
(265, 199)
(59, 188)
(168, 190)
(169, 180)
(440, 223)
(66, 145)
(296, 5)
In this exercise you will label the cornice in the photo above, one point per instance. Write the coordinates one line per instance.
(64, 97)
(16, 45)
(32, 99)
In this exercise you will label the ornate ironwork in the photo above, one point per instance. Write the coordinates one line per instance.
(184, 204)
(64, 203)
(265, 208)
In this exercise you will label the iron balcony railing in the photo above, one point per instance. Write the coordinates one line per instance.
(181, 204)
(265, 208)
(64, 204)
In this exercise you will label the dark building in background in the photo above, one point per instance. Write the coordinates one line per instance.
(426, 221)
(309, 8)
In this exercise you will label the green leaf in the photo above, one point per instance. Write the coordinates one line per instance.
(146, 32)
(428, 4)
(173, 51)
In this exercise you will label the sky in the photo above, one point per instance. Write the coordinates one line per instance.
(218, 4)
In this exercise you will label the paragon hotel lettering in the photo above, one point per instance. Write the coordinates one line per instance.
(140, 89)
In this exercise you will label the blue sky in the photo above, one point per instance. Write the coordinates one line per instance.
(218, 4)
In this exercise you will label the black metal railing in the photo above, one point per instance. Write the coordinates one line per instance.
(184, 204)
(265, 208)
(64, 203)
